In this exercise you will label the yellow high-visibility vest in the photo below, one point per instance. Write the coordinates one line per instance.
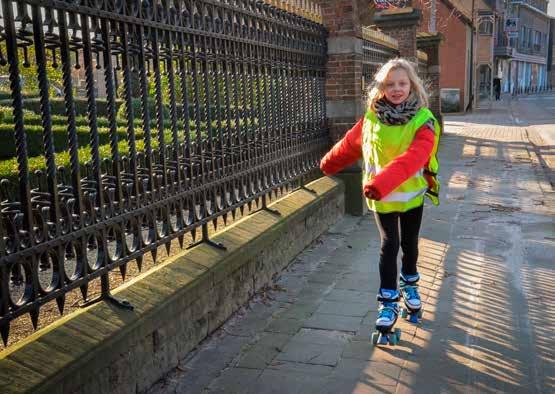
(381, 144)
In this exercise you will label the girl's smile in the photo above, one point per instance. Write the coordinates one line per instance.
(397, 86)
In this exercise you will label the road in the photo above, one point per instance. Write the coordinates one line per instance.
(537, 112)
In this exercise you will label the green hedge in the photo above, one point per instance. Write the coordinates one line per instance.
(8, 168)
(7, 95)
(32, 119)
(57, 105)
(32, 110)
(35, 139)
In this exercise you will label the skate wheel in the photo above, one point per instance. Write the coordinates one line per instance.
(393, 340)
(374, 337)
(420, 313)
(413, 318)
(398, 333)
(384, 339)
(403, 313)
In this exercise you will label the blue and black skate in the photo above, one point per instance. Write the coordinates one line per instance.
(387, 317)
(412, 310)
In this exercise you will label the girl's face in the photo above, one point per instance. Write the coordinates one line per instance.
(397, 86)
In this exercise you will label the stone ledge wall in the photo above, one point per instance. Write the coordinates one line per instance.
(103, 349)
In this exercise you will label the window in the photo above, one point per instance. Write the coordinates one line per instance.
(529, 38)
(485, 28)
(523, 37)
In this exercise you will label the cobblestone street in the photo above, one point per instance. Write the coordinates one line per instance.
(486, 260)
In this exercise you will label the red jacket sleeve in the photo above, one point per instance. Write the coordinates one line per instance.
(345, 152)
(402, 167)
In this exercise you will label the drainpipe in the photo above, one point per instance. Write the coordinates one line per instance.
(471, 103)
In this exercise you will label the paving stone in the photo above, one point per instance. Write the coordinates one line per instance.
(345, 226)
(284, 326)
(333, 322)
(303, 368)
(366, 351)
(322, 277)
(235, 381)
(257, 357)
(203, 366)
(381, 373)
(334, 385)
(263, 351)
(348, 296)
(298, 311)
(310, 353)
(322, 337)
(436, 388)
(355, 284)
(279, 382)
(343, 309)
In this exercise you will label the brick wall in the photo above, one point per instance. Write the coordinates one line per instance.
(406, 36)
(340, 16)
(344, 72)
(344, 66)
(454, 48)
(343, 86)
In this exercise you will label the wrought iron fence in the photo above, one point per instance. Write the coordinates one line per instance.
(223, 103)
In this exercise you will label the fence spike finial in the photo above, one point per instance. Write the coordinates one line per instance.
(5, 332)
(60, 301)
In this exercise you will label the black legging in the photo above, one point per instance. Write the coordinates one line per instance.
(388, 225)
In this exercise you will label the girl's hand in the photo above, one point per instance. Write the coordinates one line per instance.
(371, 192)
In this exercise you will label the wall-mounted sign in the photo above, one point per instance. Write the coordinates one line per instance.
(511, 25)
(389, 4)
(512, 34)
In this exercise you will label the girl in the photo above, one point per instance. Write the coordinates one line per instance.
(397, 138)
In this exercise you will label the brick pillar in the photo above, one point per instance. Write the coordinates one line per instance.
(344, 96)
(429, 43)
(344, 67)
(401, 24)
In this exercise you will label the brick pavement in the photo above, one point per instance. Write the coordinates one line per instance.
(485, 260)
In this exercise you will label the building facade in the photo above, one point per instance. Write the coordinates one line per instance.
(453, 20)
(551, 54)
(486, 19)
(522, 45)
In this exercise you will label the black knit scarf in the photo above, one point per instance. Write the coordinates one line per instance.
(391, 114)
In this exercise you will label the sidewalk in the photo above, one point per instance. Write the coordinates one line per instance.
(486, 260)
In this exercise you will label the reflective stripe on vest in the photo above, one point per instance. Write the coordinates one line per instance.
(403, 197)
(375, 170)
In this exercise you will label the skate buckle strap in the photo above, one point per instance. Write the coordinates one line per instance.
(388, 310)
(411, 292)
(409, 279)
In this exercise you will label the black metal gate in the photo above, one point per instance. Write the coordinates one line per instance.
(209, 106)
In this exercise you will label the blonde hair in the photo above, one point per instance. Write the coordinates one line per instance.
(377, 88)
